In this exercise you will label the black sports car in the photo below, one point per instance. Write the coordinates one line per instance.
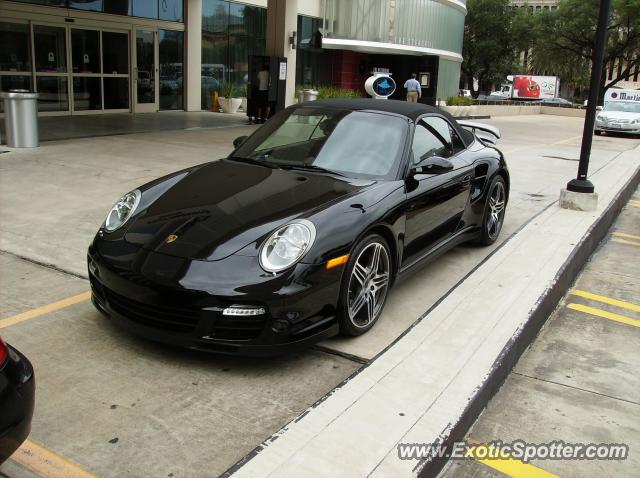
(17, 395)
(302, 230)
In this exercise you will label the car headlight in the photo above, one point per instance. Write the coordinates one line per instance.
(287, 245)
(122, 210)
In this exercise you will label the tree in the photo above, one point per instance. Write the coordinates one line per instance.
(488, 48)
(566, 42)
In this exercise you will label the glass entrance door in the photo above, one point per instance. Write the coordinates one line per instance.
(146, 73)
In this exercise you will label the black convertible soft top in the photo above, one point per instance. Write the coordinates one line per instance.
(410, 110)
(404, 108)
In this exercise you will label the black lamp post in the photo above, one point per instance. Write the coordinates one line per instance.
(581, 184)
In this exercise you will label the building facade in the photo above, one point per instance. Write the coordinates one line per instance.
(536, 5)
(97, 56)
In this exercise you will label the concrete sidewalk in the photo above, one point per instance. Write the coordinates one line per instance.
(430, 384)
(578, 383)
(56, 128)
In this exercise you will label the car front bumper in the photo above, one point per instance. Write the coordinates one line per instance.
(181, 302)
(624, 128)
(17, 399)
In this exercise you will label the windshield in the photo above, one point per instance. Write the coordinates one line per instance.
(627, 107)
(352, 143)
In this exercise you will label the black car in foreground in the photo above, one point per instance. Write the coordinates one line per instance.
(17, 397)
(301, 231)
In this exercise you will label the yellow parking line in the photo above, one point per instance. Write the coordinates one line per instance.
(626, 234)
(507, 465)
(624, 241)
(47, 464)
(606, 300)
(623, 319)
(46, 309)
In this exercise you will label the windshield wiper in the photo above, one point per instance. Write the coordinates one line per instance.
(311, 167)
(258, 162)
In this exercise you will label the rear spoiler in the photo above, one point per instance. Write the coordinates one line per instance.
(483, 131)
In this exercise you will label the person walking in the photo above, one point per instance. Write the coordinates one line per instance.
(414, 91)
(263, 94)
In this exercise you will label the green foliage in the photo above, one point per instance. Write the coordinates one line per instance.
(459, 101)
(488, 48)
(228, 90)
(325, 92)
(565, 40)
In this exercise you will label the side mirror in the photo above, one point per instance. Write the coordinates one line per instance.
(239, 140)
(432, 165)
(599, 108)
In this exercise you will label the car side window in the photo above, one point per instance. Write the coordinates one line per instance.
(446, 131)
(427, 144)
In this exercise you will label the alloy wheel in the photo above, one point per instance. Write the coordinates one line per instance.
(368, 285)
(497, 200)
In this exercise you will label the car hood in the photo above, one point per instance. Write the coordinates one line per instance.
(619, 115)
(217, 209)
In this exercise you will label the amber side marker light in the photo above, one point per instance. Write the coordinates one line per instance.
(337, 261)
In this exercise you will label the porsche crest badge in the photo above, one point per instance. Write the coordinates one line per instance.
(171, 238)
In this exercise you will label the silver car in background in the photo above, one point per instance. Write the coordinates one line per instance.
(619, 117)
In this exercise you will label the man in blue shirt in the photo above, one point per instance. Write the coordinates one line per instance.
(413, 89)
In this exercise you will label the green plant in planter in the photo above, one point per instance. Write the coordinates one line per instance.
(245, 90)
(228, 90)
(325, 92)
(459, 101)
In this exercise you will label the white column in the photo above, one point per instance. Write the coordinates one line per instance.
(193, 69)
(282, 21)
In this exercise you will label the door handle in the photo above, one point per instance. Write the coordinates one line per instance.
(466, 180)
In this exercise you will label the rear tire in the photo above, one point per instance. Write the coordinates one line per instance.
(365, 286)
(494, 210)
(598, 132)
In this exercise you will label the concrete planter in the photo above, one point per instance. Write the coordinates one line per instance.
(244, 104)
(461, 110)
(230, 105)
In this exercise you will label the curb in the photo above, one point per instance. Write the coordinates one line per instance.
(546, 304)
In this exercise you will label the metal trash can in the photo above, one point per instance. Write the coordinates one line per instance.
(21, 118)
(307, 95)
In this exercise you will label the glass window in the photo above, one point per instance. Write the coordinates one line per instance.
(215, 48)
(11, 82)
(117, 7)
(85, 51)
(146, 83)
(338, 140)
(116, 93)
(14, 54)
(86, 93)
(53, 93)
(446, 132)
(50, 49)
(115, 53)
(426, 144)
(171, 69)
(246, 37)
(171, 10)
(92, 5)
(145, 8)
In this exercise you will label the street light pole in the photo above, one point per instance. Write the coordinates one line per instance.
(581, 184)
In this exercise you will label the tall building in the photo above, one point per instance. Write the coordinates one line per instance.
(96, 56)
(536, 4)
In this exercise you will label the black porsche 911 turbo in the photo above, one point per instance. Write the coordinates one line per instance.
(301, 231)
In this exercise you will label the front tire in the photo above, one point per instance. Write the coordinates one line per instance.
(494, 210)
(365, 286)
